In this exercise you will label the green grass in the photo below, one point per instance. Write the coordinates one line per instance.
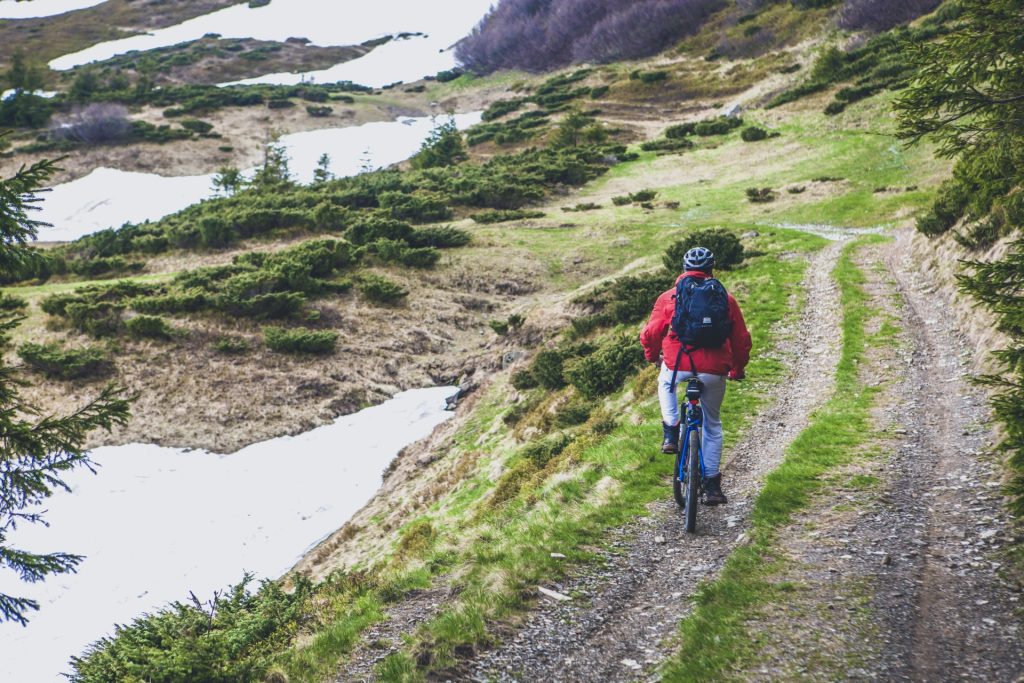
(715, 637)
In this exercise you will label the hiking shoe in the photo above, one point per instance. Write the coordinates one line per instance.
(713, 491)
(670, 442)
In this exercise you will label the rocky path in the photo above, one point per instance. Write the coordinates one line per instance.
(950, 616)
(615, 627)
(896, 561)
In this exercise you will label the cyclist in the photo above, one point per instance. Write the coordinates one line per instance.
(713, 366)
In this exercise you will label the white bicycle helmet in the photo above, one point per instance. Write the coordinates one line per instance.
(699, 258)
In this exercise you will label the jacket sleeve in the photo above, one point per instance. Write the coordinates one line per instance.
(739, 339)
(654, 333)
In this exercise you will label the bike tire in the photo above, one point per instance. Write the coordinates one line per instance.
(692, 482)
(677, 485)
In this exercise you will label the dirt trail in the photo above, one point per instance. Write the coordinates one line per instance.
(615, 627)
(950, 617)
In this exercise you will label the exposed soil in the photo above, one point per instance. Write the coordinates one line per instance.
(221, 60)
(46, 38)
(190, 395)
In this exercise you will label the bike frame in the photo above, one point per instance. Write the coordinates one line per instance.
(694, 421)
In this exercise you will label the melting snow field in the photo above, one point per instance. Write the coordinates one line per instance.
(323, 22)
(10, 9)
(109, 198)
(156, 523)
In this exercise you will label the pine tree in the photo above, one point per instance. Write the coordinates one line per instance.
(36, 451)
(968, 96)
(22, 76)
(443, 147)
(228, 180)
(322, 172)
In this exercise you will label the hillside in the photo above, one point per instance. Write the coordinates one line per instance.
(870, 530)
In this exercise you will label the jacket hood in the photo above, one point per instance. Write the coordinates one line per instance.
(693, 273)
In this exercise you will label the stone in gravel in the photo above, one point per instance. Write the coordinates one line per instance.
(887, 560)
(660, 540)
(631, 664)
(554, 595)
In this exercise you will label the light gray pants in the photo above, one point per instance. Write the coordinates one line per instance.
(710, 400)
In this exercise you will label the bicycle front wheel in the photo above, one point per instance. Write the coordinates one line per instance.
(692, 481)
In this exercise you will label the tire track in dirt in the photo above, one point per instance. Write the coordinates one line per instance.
(949, 616)
(617, 626)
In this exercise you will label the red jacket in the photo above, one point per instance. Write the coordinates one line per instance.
(729, 359)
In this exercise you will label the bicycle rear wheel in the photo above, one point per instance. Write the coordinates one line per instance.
(692, 481)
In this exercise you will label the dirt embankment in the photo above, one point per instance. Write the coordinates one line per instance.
(937, 262)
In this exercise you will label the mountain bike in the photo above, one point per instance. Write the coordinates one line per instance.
(688, 490)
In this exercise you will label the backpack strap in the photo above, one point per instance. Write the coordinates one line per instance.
(675, 368)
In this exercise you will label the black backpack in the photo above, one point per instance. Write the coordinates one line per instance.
(701, 319)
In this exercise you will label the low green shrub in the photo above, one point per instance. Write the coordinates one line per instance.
(547, 369)
(441, 238)
(502, 107)
(621, 200)
(680, 131)
(717, 126)
(10, 302)
(754, 134)
(233, 638)
(666, 145)
(523, 380)
(59, 363)
(104, 265)
(760, 195)
(573, 412)
(381, 290)
(421, 207)
(604, 371)
(231, 345)
(197, 126)
(643, 196)
(834, 108)
(319, 110)
(300, 340)
(587, 206)
(503, 216)
(648, 77)
(726, 246)
(149, 326)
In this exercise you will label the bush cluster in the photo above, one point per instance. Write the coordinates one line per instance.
(233, 638)
(505, 215)
(57, 362)
(354, 207)
(880, 64)
(727, 248)
(300, 340)
(381, 290)
(604, 371)
(255, 285)
(760, 195)
(639, 197)
(149, 326)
